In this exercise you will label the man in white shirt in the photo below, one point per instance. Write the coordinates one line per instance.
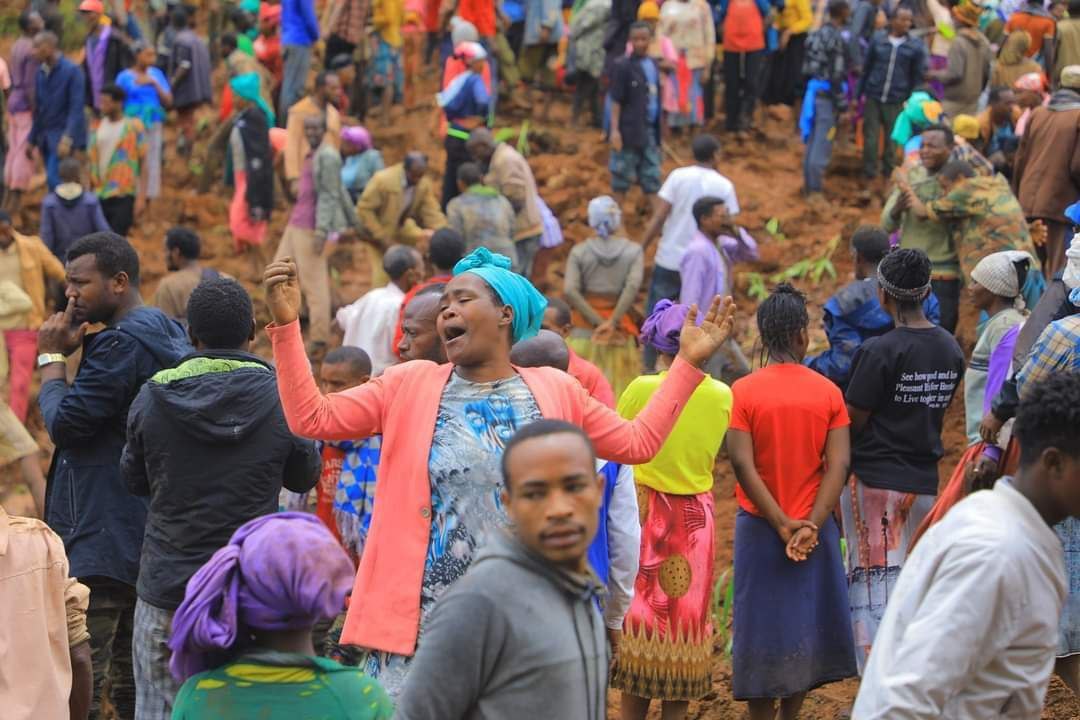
(370, 321)
(971, 629)
(674, 214)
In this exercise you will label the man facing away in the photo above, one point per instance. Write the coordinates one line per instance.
(370, 321)
(59, 125)
(853, 314)
(557, 318)
(706, 271)
(971, 628)
(482, 216)
(88, 504)
(521, 630)
(509, 173)
(673, 221)
(182, 249)
(826, 66)
(70, 211)
(219, 409)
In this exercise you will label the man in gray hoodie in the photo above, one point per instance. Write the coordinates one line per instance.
(520, 635)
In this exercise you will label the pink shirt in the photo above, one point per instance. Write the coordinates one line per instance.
(401, 404)
(591, 378)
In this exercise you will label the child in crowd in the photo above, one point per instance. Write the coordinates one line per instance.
(603, 276)
(666, 648)
(789, 447)
(901, 384)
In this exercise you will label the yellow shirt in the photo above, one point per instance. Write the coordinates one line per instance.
(684, 465)
(796, 16)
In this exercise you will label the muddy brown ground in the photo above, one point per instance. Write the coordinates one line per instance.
(571, 168)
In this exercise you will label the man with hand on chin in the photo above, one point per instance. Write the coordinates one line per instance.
(87, 502)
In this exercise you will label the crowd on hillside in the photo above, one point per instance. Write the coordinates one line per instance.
(457, 497)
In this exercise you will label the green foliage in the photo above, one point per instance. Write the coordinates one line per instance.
(523, 139)
(723, 597)
(756, 289)
(772, 226)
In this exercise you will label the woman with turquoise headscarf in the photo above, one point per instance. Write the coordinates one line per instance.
(444, 428)
(253, 168)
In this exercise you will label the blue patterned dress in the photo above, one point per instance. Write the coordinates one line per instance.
(474, 423)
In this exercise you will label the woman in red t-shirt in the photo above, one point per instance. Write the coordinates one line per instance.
(789, 445)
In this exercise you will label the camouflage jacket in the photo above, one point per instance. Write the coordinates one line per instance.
(984, 217)
(922, 233)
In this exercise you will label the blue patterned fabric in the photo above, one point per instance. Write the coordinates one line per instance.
(354, 498)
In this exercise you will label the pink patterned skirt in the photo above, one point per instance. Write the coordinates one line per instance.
(666, 650)
(245, 231)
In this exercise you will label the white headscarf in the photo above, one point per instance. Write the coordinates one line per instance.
(1071, 277)
(605, 215)
(997, 273)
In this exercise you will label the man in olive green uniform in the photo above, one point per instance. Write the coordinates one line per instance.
(918, 231)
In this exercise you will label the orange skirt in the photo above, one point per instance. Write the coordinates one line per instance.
(604, 306)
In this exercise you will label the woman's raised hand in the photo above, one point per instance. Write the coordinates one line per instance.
(699, 343)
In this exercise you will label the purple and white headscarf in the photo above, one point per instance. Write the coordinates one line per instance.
(278, 572)
(664, 326)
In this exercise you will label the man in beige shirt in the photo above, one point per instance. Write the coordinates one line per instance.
(182, 248)
(47, 671)
(320, 103)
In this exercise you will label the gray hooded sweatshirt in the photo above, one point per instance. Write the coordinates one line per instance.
(515, 638)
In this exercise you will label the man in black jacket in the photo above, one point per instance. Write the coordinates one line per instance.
(86, 502)
(895, 64)
(635, 117)
(208, 443)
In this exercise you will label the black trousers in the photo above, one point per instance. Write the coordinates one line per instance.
(742, 86)
(456, 156)
(119, 213)
(948, 297)
(587, 94)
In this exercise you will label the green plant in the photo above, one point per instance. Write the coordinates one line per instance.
(756, 289)
(772, 226)
(723, 597)
(822, 266)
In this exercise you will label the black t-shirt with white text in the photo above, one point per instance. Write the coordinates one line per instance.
(906, 378)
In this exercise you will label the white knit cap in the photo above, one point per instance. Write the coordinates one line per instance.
(997, 273)
(1072, 267)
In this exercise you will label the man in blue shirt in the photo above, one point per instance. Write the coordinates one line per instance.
(59, 125)
(299, 31)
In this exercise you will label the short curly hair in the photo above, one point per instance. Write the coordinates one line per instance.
(112, 255)
(1049, 416)
(220, 314)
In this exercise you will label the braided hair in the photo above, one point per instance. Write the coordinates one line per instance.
(779, 320)
(904, 276)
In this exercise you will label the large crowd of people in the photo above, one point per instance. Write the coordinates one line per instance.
(456, 497)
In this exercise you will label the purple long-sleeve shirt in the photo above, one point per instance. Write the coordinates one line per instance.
(23, 76)
(706, 266)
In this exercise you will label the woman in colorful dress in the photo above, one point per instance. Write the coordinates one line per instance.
(253, 169)
(689, 25)
(603, 276)
(148, 98)
(789, 446)
(242, 638)
(666, 649)
(444, 428)
(901, 385)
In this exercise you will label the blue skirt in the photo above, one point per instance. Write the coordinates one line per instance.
(791, 622)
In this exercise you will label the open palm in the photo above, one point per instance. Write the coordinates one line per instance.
(698, 343)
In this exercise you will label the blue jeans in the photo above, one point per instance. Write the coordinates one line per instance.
(664, 284)
(48, 147)
(297, 63)
(819, 146)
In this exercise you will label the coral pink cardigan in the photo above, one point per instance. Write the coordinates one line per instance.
(384, 613)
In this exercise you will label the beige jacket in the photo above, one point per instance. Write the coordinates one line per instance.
(36, 264)
(510, 174)
(381, 212)
(296, 145)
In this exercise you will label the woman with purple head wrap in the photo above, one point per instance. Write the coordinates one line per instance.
(362, 160)
(669, 620)
(242, 636)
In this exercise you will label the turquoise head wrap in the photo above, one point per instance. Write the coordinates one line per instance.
(512, 289)
(247, 87)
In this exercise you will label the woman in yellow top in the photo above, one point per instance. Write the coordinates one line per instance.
(666, 649)
(785, 68)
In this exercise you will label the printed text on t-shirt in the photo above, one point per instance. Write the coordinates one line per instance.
(933, 389)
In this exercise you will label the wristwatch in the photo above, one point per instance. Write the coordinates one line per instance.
(49, 358)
